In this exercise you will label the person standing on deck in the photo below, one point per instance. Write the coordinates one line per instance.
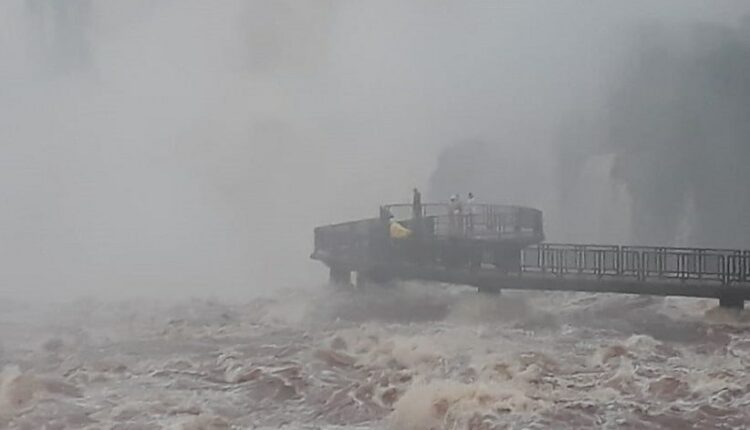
(416, 204)
(472, 211)
(455, 227)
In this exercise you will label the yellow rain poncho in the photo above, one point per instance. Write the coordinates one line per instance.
(398, 231)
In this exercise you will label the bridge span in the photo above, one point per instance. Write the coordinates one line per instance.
(494, 247)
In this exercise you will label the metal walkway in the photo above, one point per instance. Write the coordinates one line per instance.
(499, 247)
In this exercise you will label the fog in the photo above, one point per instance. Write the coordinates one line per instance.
(166, 147)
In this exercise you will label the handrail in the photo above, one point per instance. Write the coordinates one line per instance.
(441, 209)
(489, 226)
(476, 221)
(726, 266)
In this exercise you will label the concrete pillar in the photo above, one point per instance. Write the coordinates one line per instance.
(340, 277)
(507, 259)
(730, 301)
(489, 290)
(362, 280)
(374, 278)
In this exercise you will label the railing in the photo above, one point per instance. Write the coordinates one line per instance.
(476, 221)
(368, 241)
(725, 266)
(352, 239)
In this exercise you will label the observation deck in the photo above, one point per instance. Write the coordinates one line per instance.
(494, 247)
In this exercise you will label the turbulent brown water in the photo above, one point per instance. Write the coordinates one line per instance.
(413, 357)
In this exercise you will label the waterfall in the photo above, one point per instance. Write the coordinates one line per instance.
(598, 210)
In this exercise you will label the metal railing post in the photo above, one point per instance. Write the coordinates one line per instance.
(661, 261)
(618, 261)
(642, 268)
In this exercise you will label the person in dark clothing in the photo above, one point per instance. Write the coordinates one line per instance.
(416, 204)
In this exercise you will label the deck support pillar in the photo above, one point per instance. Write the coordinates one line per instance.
(376, 278)
(340, 277)
(489, 290)
(507, 259)
(362, 280)
(731, 301)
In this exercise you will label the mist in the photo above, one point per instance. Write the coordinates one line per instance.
(187, 147)
(647, 145)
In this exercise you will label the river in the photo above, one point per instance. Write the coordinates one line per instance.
(416, 357)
